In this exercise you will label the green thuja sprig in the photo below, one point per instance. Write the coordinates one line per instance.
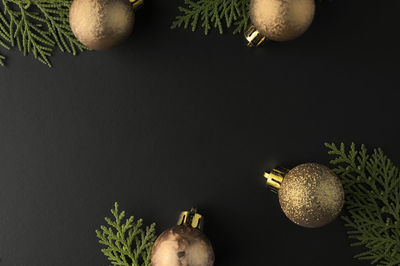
(372, 186)
(213, 13)
(36, 27)
(127, 243)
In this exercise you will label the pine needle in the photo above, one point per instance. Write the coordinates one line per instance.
(36, 27)
(126, 242)
(2, 58)
(372, 185)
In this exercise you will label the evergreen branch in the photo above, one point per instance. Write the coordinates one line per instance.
(242, 22)
(218, 14)
(127, 244)
(58, 25)
(36, 27)
(372, 185)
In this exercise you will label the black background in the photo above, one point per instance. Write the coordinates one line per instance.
(173, 119)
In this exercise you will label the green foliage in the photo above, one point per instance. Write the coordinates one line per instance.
(37, 27)
(127, 243)
(372, 185)
(213, 13)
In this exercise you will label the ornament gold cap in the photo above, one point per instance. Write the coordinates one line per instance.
(275, 177)
(253, 36)
(136, 3)
(191, 218)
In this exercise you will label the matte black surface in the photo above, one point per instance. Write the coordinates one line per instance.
(173, 119)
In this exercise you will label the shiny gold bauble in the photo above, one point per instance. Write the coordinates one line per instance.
(282, 20)
(311, 195)
(184, 244)
(101, 24)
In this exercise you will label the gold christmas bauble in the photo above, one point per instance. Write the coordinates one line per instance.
(184, 244)
(311, 195)
(281, 20)
(101, 24)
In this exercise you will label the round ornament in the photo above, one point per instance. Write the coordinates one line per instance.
(310, 194)
(279, 20)
(102, 24)
(184, 244)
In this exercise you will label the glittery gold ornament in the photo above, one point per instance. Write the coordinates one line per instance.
(102, 24)
(279, 20)
(184, 244)
(310, 194)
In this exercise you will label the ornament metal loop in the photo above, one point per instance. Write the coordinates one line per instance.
(253, 36)
(136, 3)
(275, 177)
(191, 218)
